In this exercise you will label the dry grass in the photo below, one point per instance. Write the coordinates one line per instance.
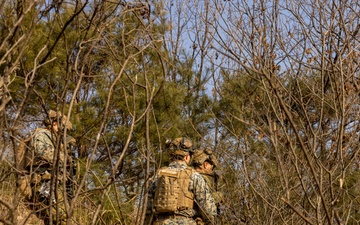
(84, 209)
(24, 215)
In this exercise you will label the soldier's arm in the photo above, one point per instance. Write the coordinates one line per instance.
(204, 200)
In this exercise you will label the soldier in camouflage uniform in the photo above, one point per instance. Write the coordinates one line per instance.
(205, 163)
(196, 193)
(48, 200)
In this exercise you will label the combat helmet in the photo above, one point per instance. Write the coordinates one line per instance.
(54, 116)
(202, 155)
(179, 146)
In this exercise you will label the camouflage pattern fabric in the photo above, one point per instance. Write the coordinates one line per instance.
(43, 143)
(175, 221)
(212, 183)
(202, 196)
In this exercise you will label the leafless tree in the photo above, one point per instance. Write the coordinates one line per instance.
(291, 129)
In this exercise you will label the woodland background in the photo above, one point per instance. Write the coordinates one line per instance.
(271, 86)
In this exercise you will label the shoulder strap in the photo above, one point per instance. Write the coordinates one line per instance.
(168, 172)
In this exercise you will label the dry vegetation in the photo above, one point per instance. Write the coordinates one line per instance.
(272, 86)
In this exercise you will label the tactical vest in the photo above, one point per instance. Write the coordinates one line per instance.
(172, 192)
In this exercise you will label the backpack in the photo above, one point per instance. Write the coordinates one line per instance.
(24, 155)
(172, 191)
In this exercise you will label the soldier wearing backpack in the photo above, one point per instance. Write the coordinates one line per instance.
(45, 159)
(179, 193)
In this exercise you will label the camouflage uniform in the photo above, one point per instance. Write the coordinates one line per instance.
(43, 143)
(211, 177)
(205, 209)
(212, 182)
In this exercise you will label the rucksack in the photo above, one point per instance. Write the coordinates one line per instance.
(24, 154)
(172, 191)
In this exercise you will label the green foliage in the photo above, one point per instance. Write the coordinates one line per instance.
(287, 139)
